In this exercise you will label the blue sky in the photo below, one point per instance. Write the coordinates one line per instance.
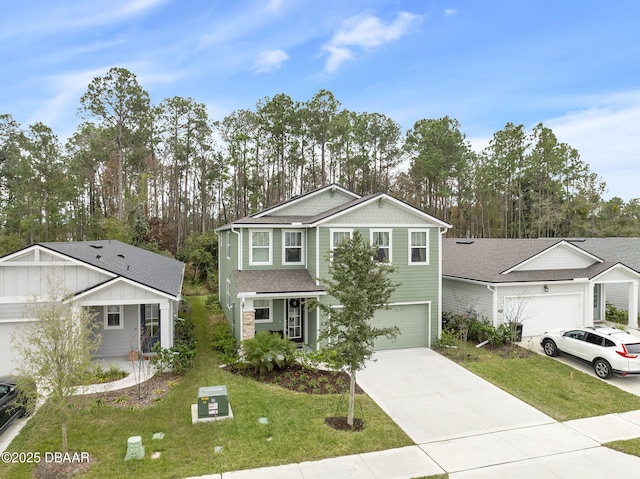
(572, 65)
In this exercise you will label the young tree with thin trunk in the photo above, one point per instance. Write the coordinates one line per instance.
(57, 348)
(362, 286)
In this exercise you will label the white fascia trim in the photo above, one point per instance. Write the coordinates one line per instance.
(67, 260)
(299, 294)
(616, 266)
(120, 279)
(431, 219)
(559, 244)
(308, 196)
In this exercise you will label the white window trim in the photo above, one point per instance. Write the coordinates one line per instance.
(426, 232)
(384, 230)
(302, 247)
(228, 294)
(260, 263)
(337, 230)
(228, 245)
(106, 317)
(270, 320)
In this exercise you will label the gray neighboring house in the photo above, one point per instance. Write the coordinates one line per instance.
(555, 283)
(135, 293)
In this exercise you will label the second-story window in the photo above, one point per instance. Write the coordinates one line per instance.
(382, 239)
(260, 247)
(337, 236)
(228, 245)
(292, 245)
(418, 247)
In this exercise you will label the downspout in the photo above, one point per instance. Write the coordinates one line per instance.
(494, 305)
(443, 231)
(233, 230)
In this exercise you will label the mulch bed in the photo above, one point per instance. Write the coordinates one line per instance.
(61, 469)
(300, 379)
(144, 395)
(340, 423)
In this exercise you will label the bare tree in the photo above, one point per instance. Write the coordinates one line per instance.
(515, 312)
(56, 348)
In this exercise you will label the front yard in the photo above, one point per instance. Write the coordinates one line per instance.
(295, 431)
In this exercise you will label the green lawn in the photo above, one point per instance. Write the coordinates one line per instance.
(556, 389)
(296, 427)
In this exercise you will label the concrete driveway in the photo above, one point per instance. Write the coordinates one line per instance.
(473, 429)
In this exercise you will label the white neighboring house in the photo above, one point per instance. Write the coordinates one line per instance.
(135, 293)
(557, 283)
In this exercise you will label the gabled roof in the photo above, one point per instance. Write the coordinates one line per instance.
(263, 218)
(492, 260)
(136, 264)
(304, 197)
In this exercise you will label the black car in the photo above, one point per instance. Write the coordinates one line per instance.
(11, 406)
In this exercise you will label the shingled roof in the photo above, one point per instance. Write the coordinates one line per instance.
(276, 281)
(486, 259)
(136, 264)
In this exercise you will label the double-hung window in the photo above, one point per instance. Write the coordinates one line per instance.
(262, 308)
(228, 248)
(382, 239)
(260, 247)
(418, 247)
(228, 294)
(292, 247)
(339, 235)
(113, 317)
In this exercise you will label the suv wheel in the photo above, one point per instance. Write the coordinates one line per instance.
(602, 368)
(550, 348)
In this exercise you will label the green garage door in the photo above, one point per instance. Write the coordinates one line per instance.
(412, 321)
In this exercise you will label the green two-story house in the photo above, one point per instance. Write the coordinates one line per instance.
(272, 262)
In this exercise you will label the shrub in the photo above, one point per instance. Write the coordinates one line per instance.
(180, 357)
(213, 304)
(268, 351)
(224, 342)
(615, 315)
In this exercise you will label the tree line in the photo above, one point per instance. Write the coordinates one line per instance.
(163, 175)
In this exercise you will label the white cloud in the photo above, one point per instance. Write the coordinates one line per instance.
(270, 60)
(365, 31)
(450, 11)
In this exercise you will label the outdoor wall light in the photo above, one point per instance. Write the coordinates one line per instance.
(546, 288)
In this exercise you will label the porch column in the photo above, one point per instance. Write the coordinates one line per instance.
(248, 319)
(633, 304)
(166, 323)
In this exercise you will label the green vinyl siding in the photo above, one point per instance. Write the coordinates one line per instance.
(277, 238)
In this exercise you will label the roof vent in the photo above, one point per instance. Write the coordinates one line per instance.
(465, 242)
(96, 246)
(120, 255)
(98, 256)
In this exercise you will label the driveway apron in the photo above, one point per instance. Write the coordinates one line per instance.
(473, 429)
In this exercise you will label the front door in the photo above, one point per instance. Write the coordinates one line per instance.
(295, 323)
(150, 326)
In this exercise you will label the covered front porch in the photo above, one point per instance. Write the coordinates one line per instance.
(278, 301)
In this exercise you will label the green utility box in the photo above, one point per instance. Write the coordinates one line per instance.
(213, 401)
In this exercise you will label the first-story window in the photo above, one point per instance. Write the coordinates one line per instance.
(228, 295)
(262, 309)
(113, 317)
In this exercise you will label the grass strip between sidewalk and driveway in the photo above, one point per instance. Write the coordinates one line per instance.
(295, 431)
(553, 388)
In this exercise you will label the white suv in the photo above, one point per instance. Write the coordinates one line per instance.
(609, 350)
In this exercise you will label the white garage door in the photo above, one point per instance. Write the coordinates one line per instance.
(549, 311)
(7, 355)
(412, 321)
